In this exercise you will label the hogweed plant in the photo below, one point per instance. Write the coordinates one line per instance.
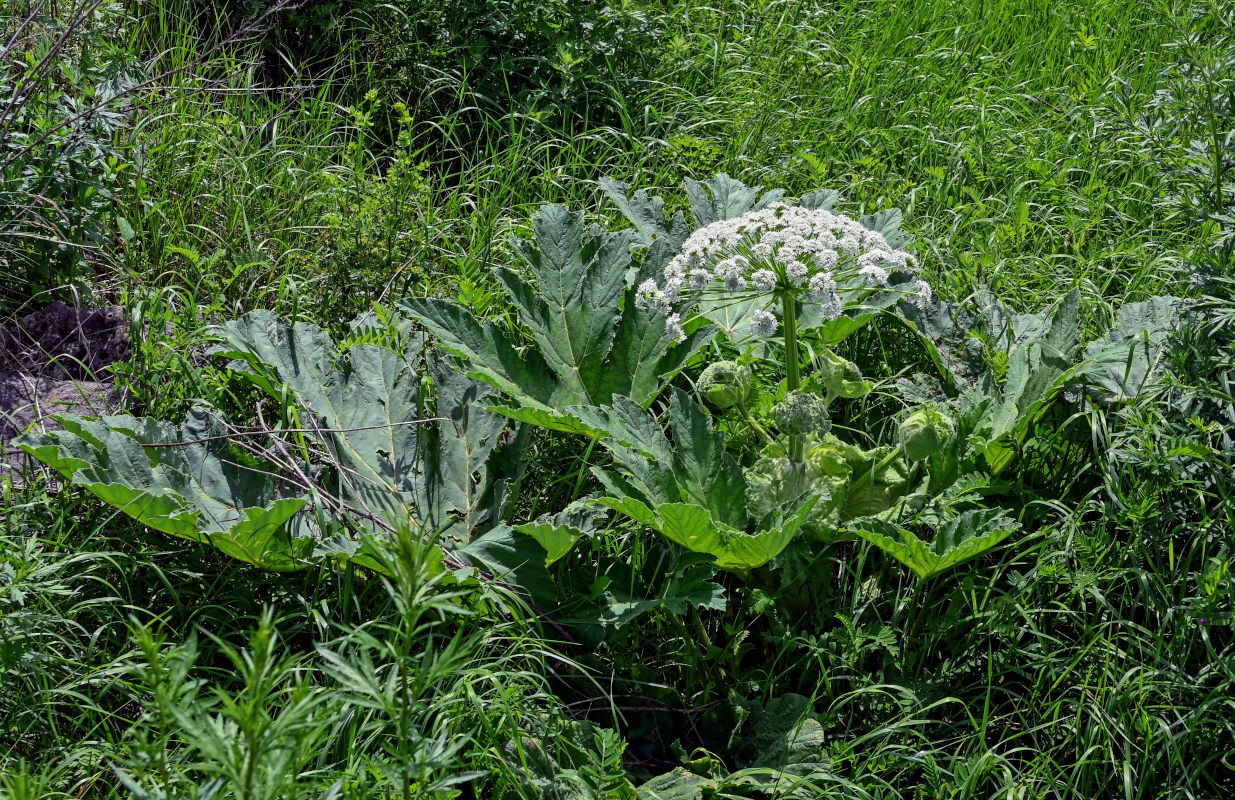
(779, 258)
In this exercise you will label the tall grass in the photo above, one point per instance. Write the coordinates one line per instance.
(1031, 147)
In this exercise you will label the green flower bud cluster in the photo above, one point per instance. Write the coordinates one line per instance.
(802, 413)
(841, 376)
(851, 482)
(725, 384)
(924, 432)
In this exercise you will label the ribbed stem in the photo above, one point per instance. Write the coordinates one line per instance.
(793, 378)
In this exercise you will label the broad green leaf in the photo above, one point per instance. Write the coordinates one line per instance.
(591, 341)
(694, 467)
(1037, 350)
(732, 316)
(783, 737)
(550, 420)
(705, 472)
(820, 199)
(557, 533)
(180, 481)
(1122, 362)
(486, 355)
(366, 408)
(693, 528)
(725, 198)
(660, 236)
(646, 214)
(888, 222)
(633, 508)
(644, 359)
(678, 785)
(512, 559)
(680, 593)
(464, 470)
(967, 536)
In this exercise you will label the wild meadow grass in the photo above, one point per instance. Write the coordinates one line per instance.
(1034, 147)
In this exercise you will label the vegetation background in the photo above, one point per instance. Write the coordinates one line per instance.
(194, 160)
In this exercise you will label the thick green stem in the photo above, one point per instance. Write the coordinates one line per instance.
(793, 378)
(746, 415)
(859, 483)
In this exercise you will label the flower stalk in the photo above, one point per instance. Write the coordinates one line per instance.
(793, 376)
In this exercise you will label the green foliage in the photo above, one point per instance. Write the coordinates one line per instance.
(388, 466)
(62, 104)
(508, 53)
(592, 343)
(1034, 147)
(688, 488)
(955, 541)
(840, 376)
(557, 533)
(189, 482)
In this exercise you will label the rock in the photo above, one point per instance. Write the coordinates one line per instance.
(55, 361)
(27, 401)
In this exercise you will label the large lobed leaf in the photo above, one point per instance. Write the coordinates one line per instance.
(179, 480)
(957, 540)
(1121, 363)
(591, 341)
(366, 408)
(684, 484)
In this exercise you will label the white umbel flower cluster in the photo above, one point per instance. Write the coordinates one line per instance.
(779, 247)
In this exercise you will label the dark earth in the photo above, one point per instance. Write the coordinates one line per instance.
(54, 361)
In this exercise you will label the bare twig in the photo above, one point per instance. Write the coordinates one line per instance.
(269, 431)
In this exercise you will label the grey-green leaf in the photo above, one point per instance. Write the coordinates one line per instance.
(1122, 362)
(181, 481)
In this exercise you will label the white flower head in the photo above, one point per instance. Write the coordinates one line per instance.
(797, 246)
(796, 272)
(821, 285)
(764, 280)
(699, 278)
(673, 327)
(874, 274)
(672, 291)
(874, 240)
(826, 259)
(730, 271)
(923, 293)
(649, 297)
(763, 324)
(832, 306)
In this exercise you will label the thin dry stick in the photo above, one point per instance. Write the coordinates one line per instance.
(268, 431)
